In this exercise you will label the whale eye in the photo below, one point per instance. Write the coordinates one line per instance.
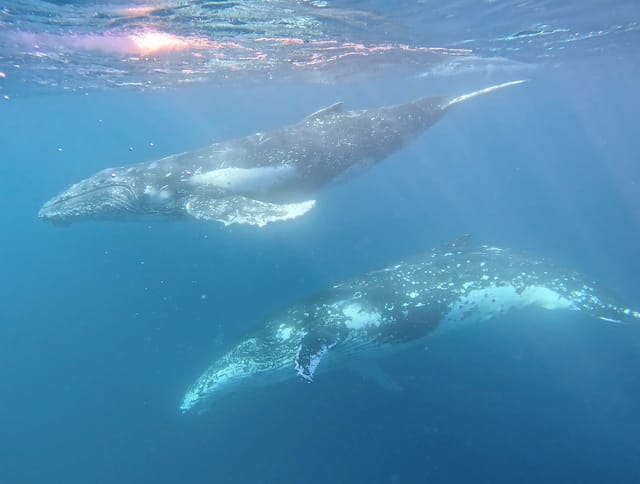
(113, 175)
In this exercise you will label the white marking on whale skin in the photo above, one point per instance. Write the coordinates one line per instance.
(482, 304)
(284, 332)
(359, 318)
(245, 180)
(158, 195)
(546, 298)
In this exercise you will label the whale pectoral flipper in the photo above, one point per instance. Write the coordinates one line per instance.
(237, 209)
(312, 349)
(334, 108)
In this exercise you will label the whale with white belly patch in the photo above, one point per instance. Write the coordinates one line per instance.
(257, 179)
(395, 308)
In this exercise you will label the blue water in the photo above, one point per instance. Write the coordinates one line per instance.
(105, 325)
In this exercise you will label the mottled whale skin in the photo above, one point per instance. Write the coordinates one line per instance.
(256, 179)
(394, 308)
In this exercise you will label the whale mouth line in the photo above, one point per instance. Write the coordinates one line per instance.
(49, 209)
(88, 192)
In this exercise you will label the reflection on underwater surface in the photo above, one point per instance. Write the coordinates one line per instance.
(78, 46)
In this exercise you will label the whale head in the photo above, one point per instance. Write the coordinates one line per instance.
(227, 376)
(107, 194)
(111, 194)
(264, 359)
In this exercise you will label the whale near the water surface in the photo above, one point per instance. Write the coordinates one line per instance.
(395, 308)
(257, 179)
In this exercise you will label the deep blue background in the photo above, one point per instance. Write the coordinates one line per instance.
(104, 326)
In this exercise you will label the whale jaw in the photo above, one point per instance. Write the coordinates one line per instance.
(110, 202)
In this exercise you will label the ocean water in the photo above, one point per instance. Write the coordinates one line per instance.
(103, 326)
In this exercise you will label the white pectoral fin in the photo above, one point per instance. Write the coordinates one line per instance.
(237, 209)
(313, 348)
(372, 371)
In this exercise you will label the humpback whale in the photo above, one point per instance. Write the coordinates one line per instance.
(258, 179)
(395, 308)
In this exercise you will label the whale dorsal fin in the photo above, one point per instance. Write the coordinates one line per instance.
(242, 210)
(333, 109)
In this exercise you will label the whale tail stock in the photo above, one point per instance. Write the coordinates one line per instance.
(486, 90)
